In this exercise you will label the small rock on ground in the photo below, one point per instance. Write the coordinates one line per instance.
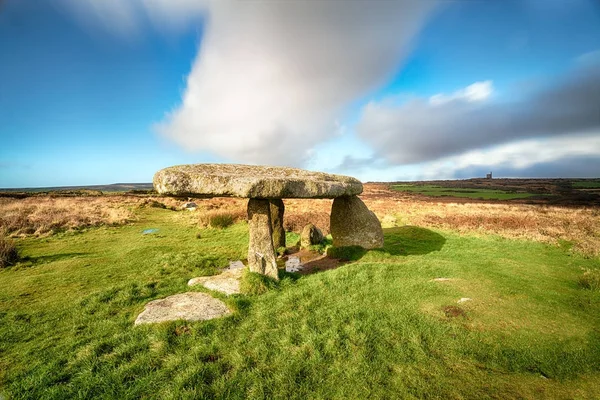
(190, 306)
(293, 264)
(310, 235)
(463, 300)
(227, 282)
(236, 265)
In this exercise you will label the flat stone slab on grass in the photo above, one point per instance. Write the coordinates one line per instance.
(227, 282)
(252, 181)
(190, 306)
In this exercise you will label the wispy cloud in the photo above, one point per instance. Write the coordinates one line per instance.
(127, 17)
(478, 91)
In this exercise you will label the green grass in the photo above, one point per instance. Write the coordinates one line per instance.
(378, 327)
(586, 185)
(486, 194)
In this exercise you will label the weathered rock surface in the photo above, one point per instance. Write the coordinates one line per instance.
(310, 235)
(227, 282)
(353, 224)
(261, 254)
(277, 209)
(215, 180)
(189, 306)
(235, 265)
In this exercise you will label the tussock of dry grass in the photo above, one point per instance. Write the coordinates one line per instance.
(8, 252)
(213, 212)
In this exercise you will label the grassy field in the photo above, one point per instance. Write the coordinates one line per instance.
(485, 194)
(587, 184)
(380, 326)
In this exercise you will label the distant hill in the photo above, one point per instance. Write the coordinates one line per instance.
(115, 187)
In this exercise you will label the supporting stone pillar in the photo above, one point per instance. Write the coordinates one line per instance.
(261, 254)
(353, 224)
(277, 210)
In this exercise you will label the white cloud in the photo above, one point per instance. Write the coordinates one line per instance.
(478, 91)
(271, 77)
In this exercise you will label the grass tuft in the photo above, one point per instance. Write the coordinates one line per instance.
(256, 284)
(8, 252)
(590, 279)
(221, 221)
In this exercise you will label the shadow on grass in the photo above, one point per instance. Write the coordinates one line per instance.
(399, 241)
(51, 258)
(411, 240)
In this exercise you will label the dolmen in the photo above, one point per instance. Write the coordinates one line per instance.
(351, 224)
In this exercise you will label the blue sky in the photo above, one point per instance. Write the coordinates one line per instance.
(103, 92)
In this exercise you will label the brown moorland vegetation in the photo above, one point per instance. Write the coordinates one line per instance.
(572, 226)
(50, 214)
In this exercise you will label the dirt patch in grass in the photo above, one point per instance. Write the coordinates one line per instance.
(315, 262)
(454, 312)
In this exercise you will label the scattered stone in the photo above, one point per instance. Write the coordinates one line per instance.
(310, 235)
(149, 231)
(353, 224)
(190, 306)
(227, 282)
(463, 300)
(236, 265)
(251, 181)
(261, 254)
(293, 264)
(277, 209)
(190, 206)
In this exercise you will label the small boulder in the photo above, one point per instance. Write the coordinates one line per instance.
(353, 224)
(310, 235)
(227, 282)
(190, 206)
(191, 306)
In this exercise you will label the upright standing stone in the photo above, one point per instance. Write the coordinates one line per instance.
(310, 235)
(353, 224)
(277, 210)
(261, 254)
